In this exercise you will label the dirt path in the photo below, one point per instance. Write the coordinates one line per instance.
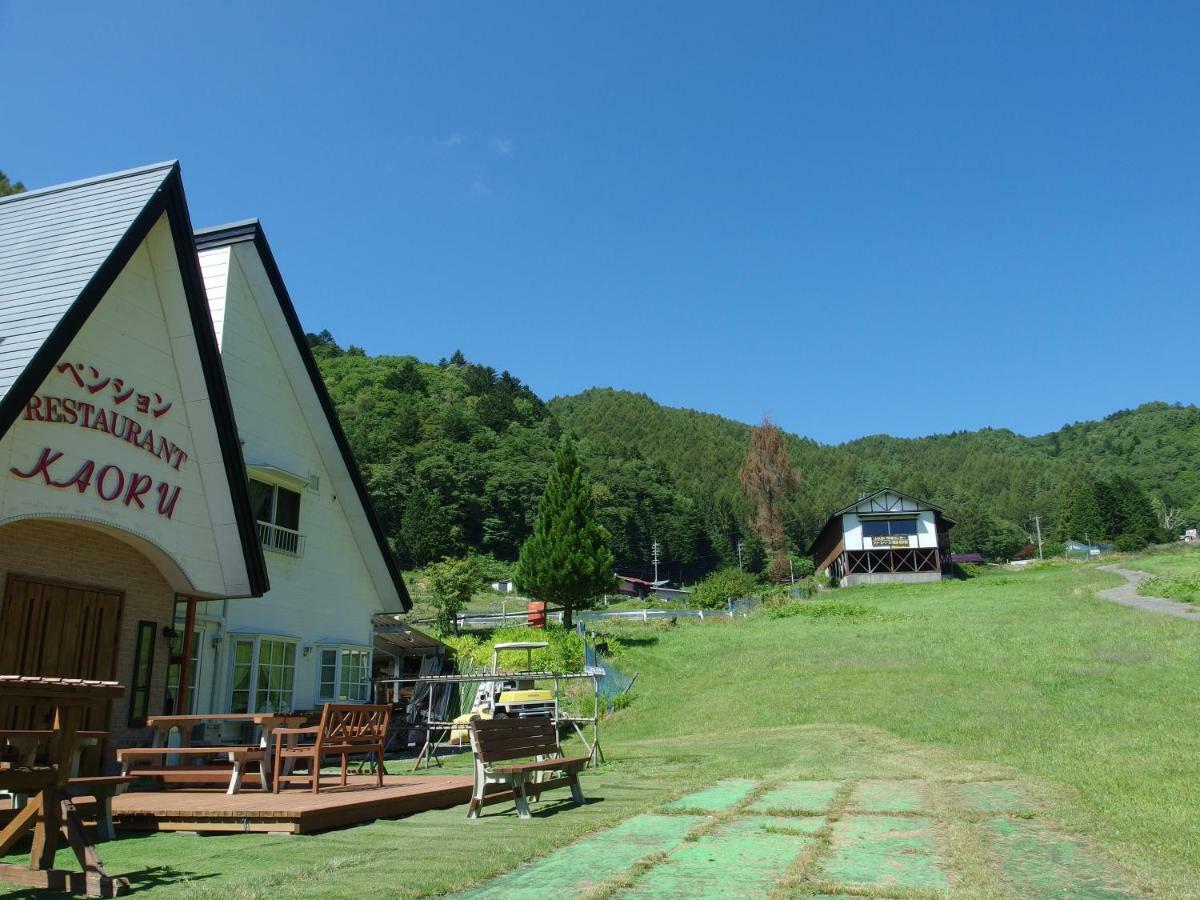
(1127, 595)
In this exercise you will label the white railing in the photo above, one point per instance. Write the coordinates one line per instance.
(280, 539)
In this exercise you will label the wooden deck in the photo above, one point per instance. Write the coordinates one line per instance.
(293, 811)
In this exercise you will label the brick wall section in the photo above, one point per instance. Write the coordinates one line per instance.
(64, 552)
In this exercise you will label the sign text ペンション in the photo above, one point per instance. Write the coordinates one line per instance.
(110, 482)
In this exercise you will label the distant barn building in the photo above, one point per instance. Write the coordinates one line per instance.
(884, 537)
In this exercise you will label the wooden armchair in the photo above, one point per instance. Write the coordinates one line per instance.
(346, 729)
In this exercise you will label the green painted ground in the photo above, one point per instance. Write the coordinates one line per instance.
(873, 837)
(582, 866)
(744, 857)
(798, 796)
(886, 852)
(719, 797)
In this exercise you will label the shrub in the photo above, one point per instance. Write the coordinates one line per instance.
(1185, 588)
(1130, 543)
(724, 585)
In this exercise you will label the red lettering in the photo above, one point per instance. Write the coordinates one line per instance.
(70, 411)
(148, 441)
(53, 412)
(131, 433)
(165, 450)
(138, 485)
(102, 475)
(166, 507)
(101, 423)
(33, 409)
(86, 410)
(41, 467)
(180, 458)
(82, 479)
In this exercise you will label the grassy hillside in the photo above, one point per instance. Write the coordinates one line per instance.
(1084, 709)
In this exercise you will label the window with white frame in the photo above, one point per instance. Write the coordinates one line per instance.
(344, 674)
(264, 674)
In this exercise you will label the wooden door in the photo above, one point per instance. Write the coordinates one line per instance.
(60, 630)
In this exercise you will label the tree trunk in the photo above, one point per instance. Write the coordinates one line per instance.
(567, 610)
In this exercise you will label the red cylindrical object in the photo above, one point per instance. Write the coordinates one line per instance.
(536, 614)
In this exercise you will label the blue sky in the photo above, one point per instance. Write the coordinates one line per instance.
(854, 217)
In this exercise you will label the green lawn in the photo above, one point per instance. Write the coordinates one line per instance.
(1176, 559)
(1176, 572)
(1023, 677)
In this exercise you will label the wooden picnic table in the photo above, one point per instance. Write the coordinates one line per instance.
(265, 722)
(26, 741)
(50, 809)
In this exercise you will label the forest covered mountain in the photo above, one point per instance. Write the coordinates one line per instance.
(456, 454)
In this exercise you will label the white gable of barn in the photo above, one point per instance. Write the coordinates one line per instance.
(342, 573)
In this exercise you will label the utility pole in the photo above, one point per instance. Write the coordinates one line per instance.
(740, 566)
(791, 570)
(1037, 521)
(654, 558)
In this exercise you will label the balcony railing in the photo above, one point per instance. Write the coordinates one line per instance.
(280, 539)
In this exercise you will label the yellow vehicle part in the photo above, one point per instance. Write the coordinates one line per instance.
(459, 736)
(526, 697)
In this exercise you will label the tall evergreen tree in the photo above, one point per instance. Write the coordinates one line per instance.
(1080, 517)
(567, 559)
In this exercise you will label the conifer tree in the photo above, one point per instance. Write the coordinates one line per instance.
(567, 558)
(1081, 517)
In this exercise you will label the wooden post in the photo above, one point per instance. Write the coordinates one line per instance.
(185, 665)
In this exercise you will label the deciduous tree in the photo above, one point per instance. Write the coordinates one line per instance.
(769, 481)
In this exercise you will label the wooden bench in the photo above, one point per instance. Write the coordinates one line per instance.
(504, 740)
(137, 762)
(346, 729)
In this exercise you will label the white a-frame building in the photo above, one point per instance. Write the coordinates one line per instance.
(307, 640)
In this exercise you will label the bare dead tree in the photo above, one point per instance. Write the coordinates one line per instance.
(769, 481)
(1169, 517)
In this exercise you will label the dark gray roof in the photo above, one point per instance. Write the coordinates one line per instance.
(52, 243)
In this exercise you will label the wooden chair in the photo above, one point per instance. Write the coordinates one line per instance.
(346, 729)
(503, 740)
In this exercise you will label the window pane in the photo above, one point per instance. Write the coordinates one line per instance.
(260, 500)
(904, 526)
(874, 527)
(287, 509)
(328, 681)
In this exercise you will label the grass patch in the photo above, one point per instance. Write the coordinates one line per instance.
(824, 609)
(1185, 588)
(1087, 708)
